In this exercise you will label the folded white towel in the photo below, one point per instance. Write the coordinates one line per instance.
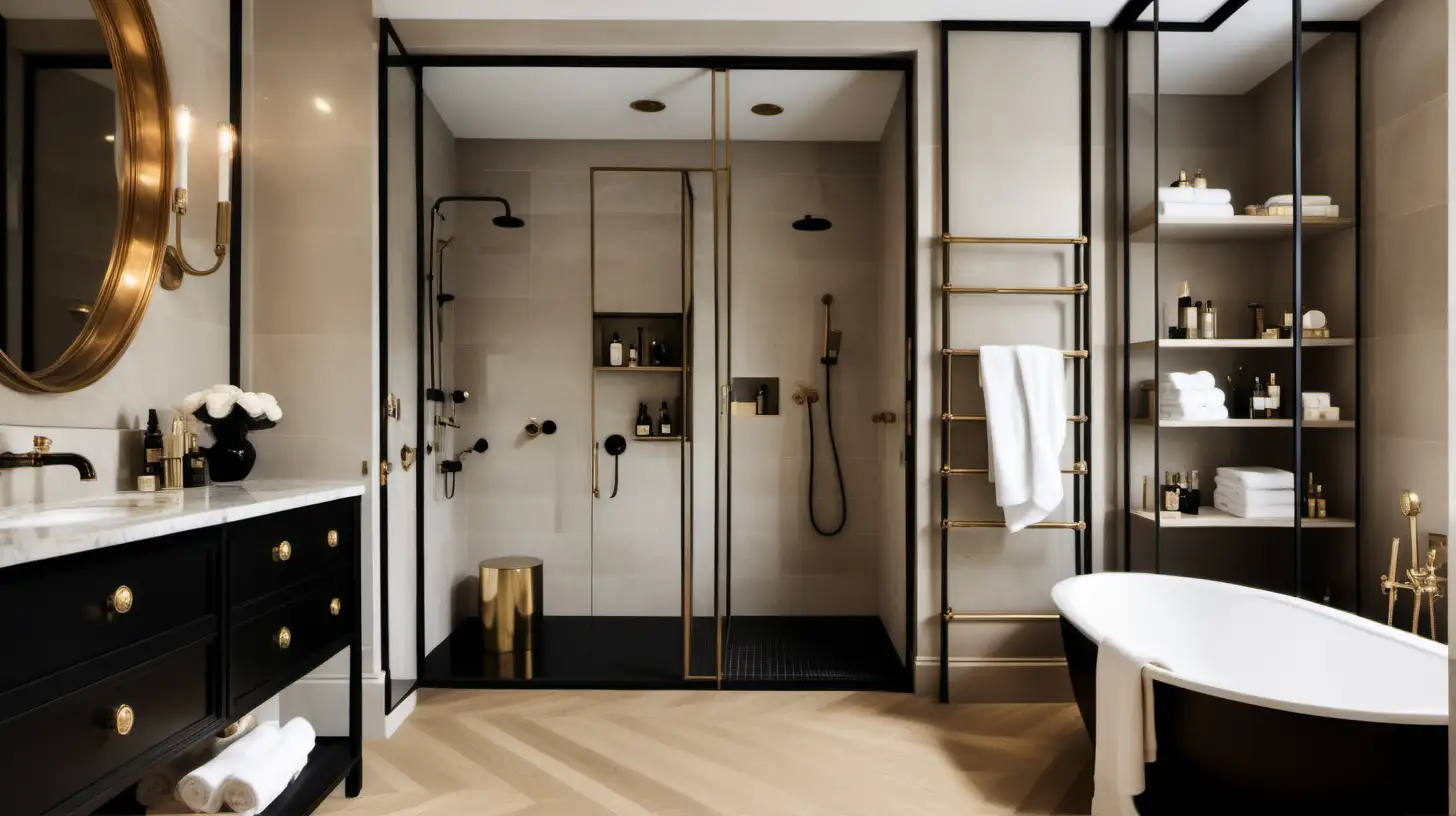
(1257, 477)
(1026, 427)
(1172, 398)
(1206, 413)
(1126, 737)
(1194, 195)
(1241, 510)
(1308, 201)
(1181, 210)
(1235, 493)
(253, 786)
(201, 790)
(1197, 381)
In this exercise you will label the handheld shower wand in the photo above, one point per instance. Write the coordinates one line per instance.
(832, 338)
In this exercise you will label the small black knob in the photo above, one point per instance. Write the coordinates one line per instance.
(459, 396)
(480, 446)
(548, 427)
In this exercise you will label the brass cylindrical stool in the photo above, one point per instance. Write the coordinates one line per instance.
(511, 589)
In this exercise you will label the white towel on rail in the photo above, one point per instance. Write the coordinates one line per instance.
(1026, 427)
(1126, 738)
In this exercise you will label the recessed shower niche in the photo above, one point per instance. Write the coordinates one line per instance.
(659, 260)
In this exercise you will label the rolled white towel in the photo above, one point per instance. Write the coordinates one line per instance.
(158, 784)
(1308, 201)
(1191, 210)
(202, 789)
(1257, 477)
(253, 786)
(1196, 381)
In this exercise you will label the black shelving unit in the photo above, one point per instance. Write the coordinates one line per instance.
(1314, 558)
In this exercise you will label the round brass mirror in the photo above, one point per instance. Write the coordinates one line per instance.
(87, 189)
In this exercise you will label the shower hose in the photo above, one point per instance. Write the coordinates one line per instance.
(838, 471)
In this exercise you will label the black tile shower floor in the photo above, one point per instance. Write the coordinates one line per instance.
(839, 653)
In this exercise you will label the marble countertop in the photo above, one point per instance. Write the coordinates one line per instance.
(27, 534)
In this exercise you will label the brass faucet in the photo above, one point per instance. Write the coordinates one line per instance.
(1422, 580)
(41, 456)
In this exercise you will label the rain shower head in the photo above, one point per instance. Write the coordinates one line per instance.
(508, 221)
(811, 223)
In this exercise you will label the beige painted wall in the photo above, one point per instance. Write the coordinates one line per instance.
(182, 344)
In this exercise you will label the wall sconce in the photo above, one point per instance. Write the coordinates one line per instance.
(174, 265)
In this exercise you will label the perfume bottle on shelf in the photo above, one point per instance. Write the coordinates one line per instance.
(644, 422)
(664, 422)
(614, 350)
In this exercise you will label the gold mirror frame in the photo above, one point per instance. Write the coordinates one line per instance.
(143, 211)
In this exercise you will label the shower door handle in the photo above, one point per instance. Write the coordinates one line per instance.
(723, 393)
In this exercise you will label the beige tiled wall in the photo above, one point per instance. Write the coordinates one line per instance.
(1405, 277)
(310, 268)
(182, 344)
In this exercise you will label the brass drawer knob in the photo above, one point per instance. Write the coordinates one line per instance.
(122, 719)
(335, 607)
(333, 538)
(121, 600)
(284, 638)
(283, 552)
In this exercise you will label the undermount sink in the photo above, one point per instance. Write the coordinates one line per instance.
(89, 512)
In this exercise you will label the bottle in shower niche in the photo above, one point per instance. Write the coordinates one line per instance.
(1309, 497)
(664, 421)
(631, 356)
(614, 350)
(1257, 400)
(1319, 502)
(1170, 492)
(1271, 398)
(760, 401)
(152, 446)
(1208, 322)
(1185, 306)
(657, 354)
(644, 422)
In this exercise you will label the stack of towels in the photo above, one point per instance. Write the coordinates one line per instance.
(1254, 492)
(1197, 202)
(247, 775)
(1190, 396)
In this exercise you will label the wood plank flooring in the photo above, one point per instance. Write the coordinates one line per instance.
(755, 753)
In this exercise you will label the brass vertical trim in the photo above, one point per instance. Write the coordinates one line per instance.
(728, 263)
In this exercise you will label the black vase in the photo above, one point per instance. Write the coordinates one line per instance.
(233, 457)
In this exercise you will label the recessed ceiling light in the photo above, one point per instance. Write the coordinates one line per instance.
(767, 109)
(648, 106)
(322, 105)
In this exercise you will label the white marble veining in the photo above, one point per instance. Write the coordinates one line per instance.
(49, 530)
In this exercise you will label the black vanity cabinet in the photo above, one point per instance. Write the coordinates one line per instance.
(115, 659)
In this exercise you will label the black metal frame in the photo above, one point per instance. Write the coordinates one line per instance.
(235, 247)
(905, 65)
(30, 66)
(1082, 264)
(1299, 29)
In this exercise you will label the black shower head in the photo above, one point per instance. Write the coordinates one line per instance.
(811, 223)
(508, 221)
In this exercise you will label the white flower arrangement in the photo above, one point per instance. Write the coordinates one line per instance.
(228, 403)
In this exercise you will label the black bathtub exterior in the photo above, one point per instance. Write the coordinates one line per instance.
(1221, 756)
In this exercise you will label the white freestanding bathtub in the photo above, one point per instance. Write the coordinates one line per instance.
(1268, 701)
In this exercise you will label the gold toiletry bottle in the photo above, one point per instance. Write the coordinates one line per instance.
(1182, 179)
(174, 449)
(1309, 500)
(1171, 493)
(1271, 405)
(1199, 180)
(194, 465)
(1146, 506)
(1319, 501)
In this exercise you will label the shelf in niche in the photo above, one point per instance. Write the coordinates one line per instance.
(1243, 423)
(1244, 343)
(1211, 517)
(1234, 227)
(641, 369)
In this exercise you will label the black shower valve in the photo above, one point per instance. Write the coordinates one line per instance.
(451, 466)
(458, 396)
(535, 428)
(435, 394)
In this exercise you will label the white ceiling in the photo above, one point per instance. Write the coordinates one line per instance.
(592, 103)
(1097, 12)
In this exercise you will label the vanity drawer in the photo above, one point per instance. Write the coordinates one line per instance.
(53, 751)
(263, 658)
(270, 553)
(67, 610)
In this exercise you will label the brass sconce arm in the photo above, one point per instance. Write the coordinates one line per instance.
(174, 264)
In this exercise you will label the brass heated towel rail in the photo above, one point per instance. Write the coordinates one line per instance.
(1080, 357)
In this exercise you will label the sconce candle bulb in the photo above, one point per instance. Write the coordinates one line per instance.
(174, 264)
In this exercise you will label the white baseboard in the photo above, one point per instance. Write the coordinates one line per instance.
(323, 699)
(996, 680)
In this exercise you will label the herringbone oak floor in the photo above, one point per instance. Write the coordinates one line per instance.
(683, 753)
